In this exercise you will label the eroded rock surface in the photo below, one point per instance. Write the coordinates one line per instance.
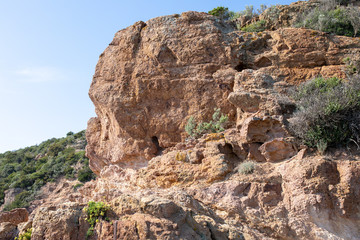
(160, 185)
(15, 216)
(154, 75)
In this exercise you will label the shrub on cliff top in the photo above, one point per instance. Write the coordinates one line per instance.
(221, 12)
(328, 112)
(330, 17)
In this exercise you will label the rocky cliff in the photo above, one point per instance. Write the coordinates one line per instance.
(154, 75)
(161, 184)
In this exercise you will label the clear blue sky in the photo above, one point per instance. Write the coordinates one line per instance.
(48, 53)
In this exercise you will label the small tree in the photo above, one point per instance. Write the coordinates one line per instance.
(221, 12)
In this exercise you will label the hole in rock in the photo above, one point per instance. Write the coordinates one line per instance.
(226, 149)
(241, 66)
(159, 149)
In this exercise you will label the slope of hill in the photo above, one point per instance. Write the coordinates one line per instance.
(23, 172)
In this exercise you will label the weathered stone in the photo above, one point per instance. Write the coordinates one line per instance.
(8, 231)
(248, 102)
(15, 216)
(277, 149)
(260, 130)
(155, 75)
(65, 221)
(254, 153)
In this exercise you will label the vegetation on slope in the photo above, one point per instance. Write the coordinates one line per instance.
(333, 16)
(328, 110)
(330, 17)
(30, 168)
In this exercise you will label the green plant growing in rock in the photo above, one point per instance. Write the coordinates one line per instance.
(246, 167)
(79, 185)
(25, 236)
(95, 211)
(216, 125)
(328, 112)
(258, 26)
(352, 66)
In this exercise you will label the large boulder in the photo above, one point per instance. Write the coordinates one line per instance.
(151, 78)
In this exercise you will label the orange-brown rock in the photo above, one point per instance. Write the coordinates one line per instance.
(277, 149)
(15, 216)
(7, 231)
(260, 130)
(161, 185)
(154, 75)
(150, 79)
(65, 221)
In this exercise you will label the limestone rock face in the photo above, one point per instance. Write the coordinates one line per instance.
(155, 75)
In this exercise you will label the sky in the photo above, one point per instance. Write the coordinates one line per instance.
(48, 53)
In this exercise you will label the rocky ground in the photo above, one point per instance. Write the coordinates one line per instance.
(161, 184)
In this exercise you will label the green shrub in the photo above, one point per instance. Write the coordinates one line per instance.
(329, 17)
(95, 211)
(327, 112)
(79, 185)
(221, 12)
(258, 26)
(272, 13)
(22, 200)
(352, 66)
(216, 125)
(25, 236)
(86, 174)
(246, 167)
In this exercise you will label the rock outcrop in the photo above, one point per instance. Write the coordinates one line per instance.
(10, 221)
(160, 184)
(154, 75)
(15, 216)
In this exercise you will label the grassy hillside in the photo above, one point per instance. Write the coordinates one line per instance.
(30, 168)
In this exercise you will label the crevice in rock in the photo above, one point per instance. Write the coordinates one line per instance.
(136, 230)
(137, 38)
(159, 149)
(212, 235)
(247, 190)
(241, 66)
